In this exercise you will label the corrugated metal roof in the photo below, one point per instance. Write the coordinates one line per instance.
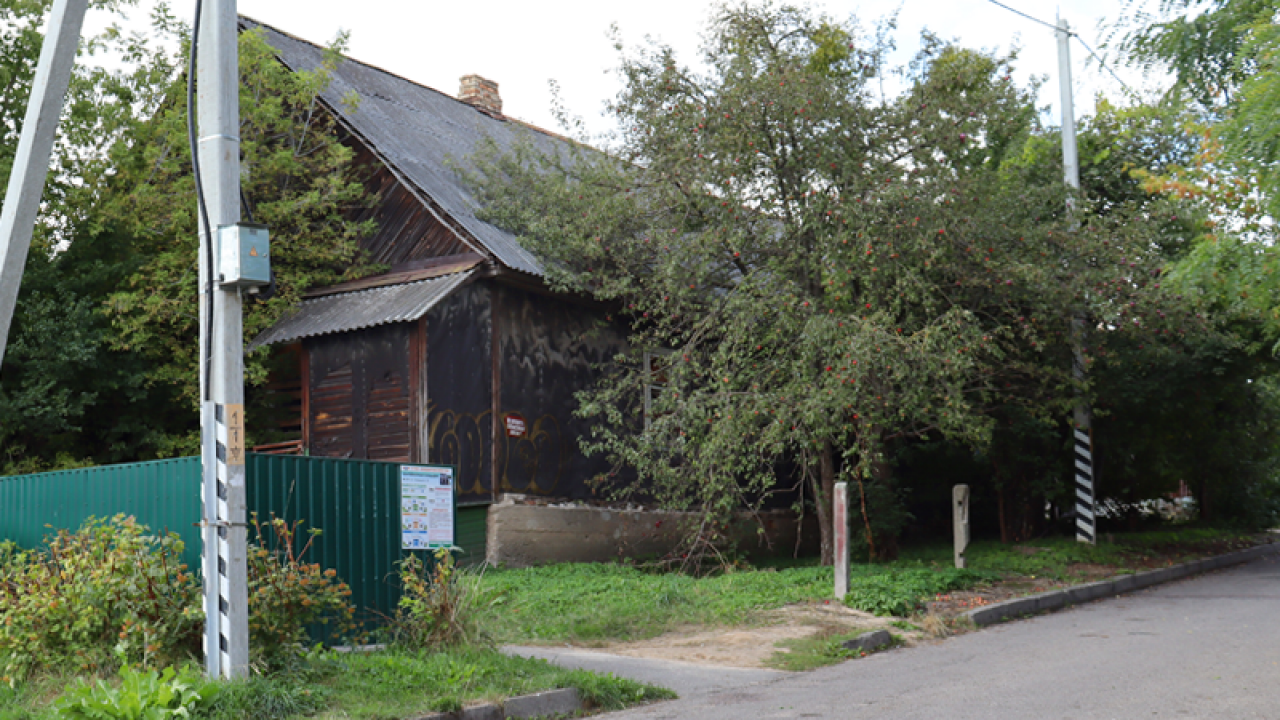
(420, 131)
(349, 311)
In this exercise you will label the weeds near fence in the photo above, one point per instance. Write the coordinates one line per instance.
(287, 594)
(439, 606)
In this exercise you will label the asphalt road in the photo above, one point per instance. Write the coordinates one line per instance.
(1205, 647)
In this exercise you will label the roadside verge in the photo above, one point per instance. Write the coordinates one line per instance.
(1057, 599)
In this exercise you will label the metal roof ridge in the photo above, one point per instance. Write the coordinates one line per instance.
(403, 277)
(500, 117)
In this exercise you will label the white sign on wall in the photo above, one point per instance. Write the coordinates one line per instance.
(427, 507)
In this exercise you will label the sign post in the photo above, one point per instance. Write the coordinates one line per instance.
(960, 522)
(840, 523)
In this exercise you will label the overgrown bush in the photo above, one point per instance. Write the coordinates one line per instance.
(439, 606)
(91, 598)
(286, 594)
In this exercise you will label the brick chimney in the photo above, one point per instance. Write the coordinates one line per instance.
(481, 93)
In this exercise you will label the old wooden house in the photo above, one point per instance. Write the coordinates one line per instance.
(459, 354)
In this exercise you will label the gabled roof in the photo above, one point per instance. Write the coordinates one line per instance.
(420, 133)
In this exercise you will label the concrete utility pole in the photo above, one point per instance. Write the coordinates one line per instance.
(31, 163)
(226, 599)
(1082, 433)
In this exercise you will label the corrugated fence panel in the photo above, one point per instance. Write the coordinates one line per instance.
(355, 505)
(163, 495)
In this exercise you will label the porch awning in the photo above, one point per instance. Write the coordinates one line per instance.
(356, 310)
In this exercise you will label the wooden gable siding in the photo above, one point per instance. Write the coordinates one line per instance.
(407, 227)
(359, 394)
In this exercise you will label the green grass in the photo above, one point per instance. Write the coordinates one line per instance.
(31, 699)
(376, 686)
(814, 651)
(588, 604)
(393, 684)
(1053, 558)
(599, 603)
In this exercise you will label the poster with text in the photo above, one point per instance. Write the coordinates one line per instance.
(426, 506)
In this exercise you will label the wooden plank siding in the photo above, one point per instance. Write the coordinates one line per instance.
(360, 402)
(332, 409)
(406, 228)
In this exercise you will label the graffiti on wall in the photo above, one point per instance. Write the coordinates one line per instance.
(533, 464)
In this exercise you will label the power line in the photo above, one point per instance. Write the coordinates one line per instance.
(1104, 64)
(1019, 12)
(1075, 35)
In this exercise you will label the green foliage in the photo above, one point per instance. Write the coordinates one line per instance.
(112, 268)
(140, 695)
(904, 592)
(53, 395)
(112, 271)
(1203, 42)
(298, 179)
(287, 595)
(833, 273)
(439, 607)
(108, 591)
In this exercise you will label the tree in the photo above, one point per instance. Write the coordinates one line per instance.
(828, 271)
(299, 180)
(114, 268)
(53, 392)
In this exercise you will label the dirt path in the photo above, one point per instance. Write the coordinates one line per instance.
(751, 647)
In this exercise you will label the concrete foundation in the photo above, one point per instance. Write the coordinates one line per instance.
(525, 531)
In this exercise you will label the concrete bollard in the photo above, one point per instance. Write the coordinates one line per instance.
(840, 523)
(960, 521)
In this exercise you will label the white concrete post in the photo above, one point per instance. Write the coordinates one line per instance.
(840, 524)
(222, 412)
(960, 522)
(35, 145)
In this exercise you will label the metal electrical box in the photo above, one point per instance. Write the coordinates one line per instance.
(244, 256)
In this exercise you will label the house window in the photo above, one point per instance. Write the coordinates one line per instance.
(655, 381)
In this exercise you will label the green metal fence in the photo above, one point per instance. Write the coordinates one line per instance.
(355, 504)
(163, 495)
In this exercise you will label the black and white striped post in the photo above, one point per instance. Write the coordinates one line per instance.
(1086, 510)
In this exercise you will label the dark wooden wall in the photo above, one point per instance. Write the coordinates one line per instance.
(550, 349)
(408, 225)
(460, 387)
(365, 400)
(359, 386)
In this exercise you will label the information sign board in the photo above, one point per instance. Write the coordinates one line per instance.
(428, 506)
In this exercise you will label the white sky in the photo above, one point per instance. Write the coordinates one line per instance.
(524, 44)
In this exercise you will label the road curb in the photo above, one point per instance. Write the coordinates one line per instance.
(1057, 599)
(549, 704)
